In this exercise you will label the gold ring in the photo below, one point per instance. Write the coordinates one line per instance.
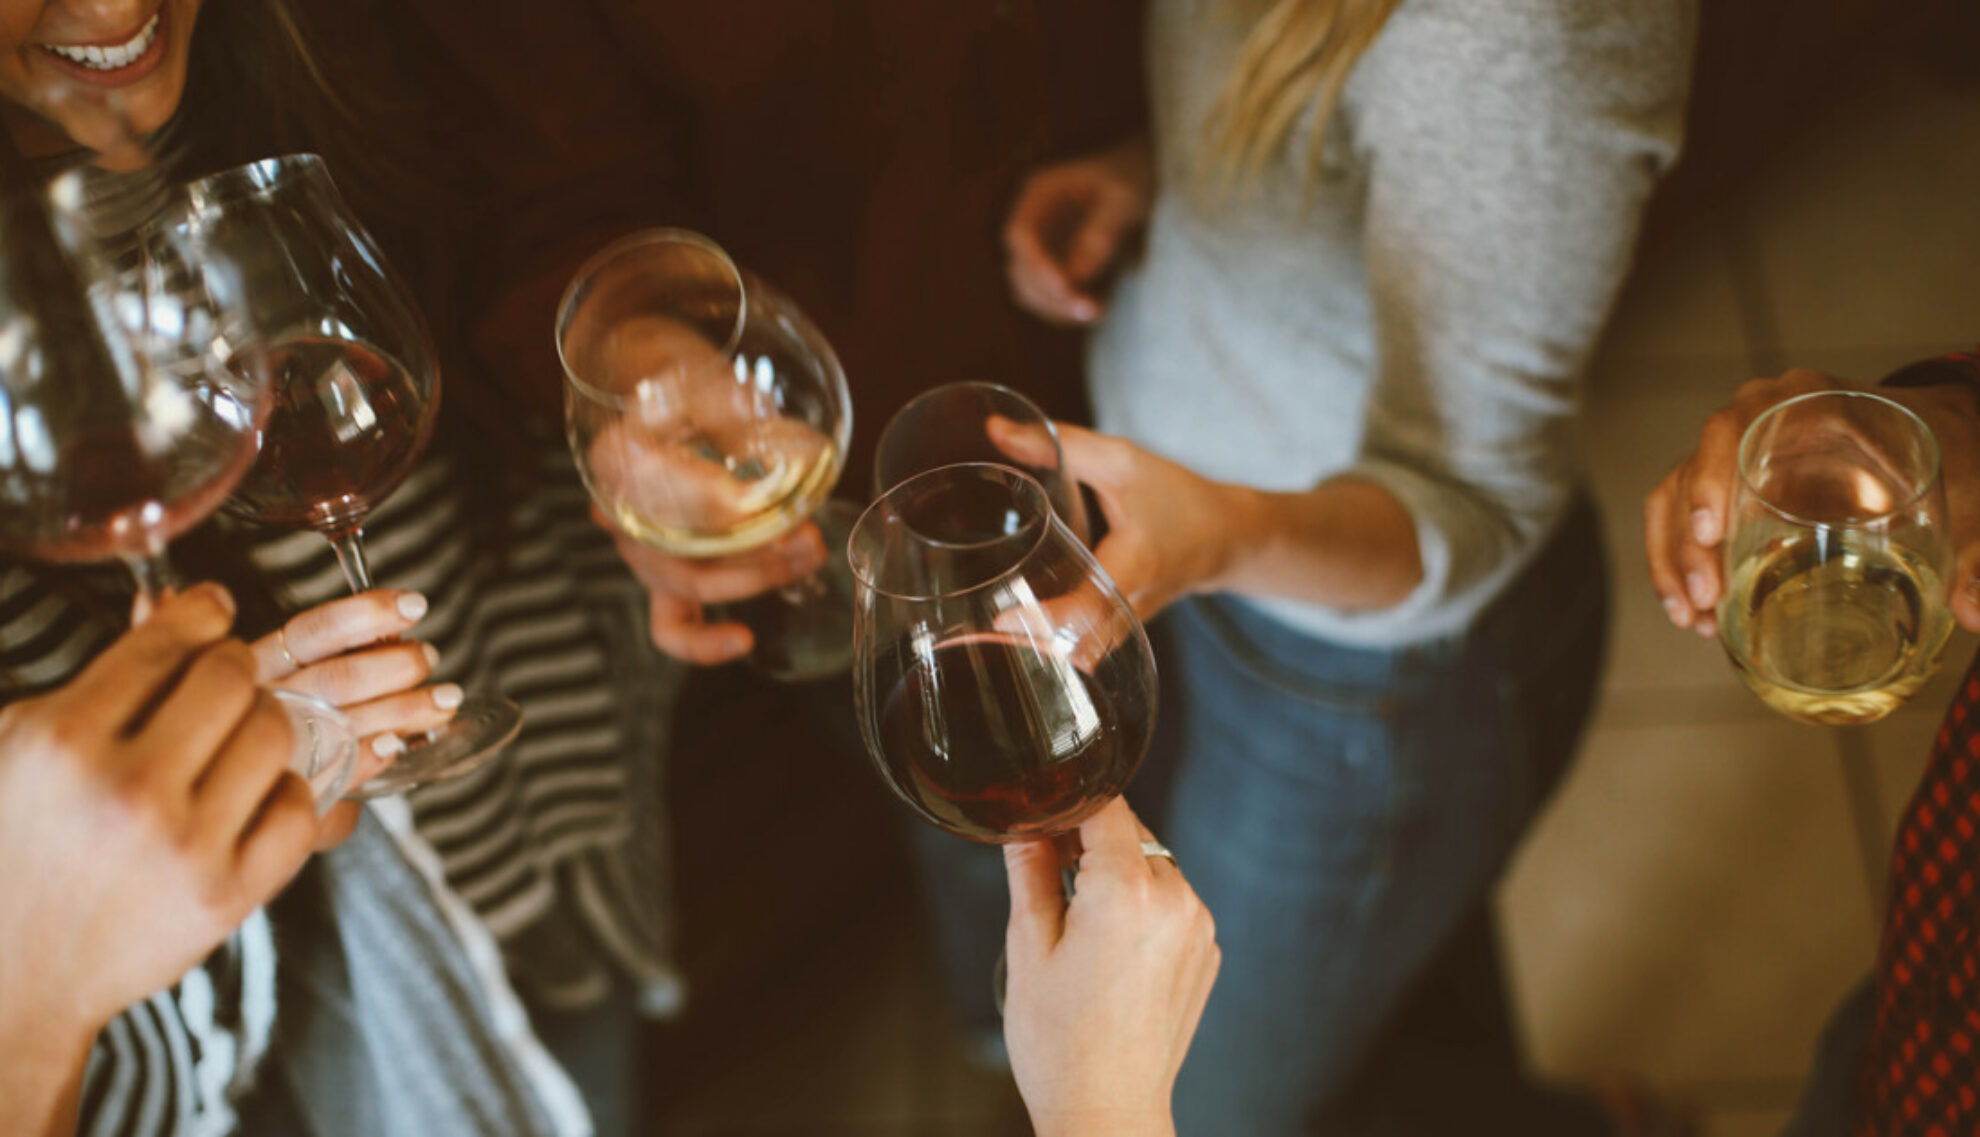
(1157, 849)
(282, 642)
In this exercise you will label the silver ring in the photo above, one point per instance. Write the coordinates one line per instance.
(282, 642)
(1157, 849)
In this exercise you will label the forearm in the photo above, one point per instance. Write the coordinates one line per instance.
(1348, 543)
(41, 1080)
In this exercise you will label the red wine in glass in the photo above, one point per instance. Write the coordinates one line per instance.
(121, 497)
(347, 424)
(991, 738)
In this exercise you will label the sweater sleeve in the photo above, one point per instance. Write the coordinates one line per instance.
(1511, 150)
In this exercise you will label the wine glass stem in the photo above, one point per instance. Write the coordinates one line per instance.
(152, 574)
(350, 554)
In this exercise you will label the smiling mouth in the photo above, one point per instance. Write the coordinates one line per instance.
(114, 57)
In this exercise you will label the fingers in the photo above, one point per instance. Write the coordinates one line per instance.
(126, 678)
(405, 712)
(1026, 443)
(1966, 587)
(230, 790)
(723, 580)
(277, 841)
(1661, 537)
(677, 628)
(1038, 904)
(336, 826)
(1112, 838)
(1097, 244)
(1039, 281)
(209, 703)
(332, 629)
(362, 676)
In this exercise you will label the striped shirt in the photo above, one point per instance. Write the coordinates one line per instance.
(558, 846)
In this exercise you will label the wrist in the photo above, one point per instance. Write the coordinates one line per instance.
(1242, 530)
(1104, 1123)
(43, 1073)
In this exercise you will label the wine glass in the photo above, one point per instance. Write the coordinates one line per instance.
(978, 422)
(709, 417)
(129, 409)
(1837, 558)
(355, 388)
(1005, 688)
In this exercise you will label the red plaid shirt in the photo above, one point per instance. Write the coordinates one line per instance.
(1922, 1072)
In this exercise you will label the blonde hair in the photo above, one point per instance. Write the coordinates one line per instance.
(1297, 54)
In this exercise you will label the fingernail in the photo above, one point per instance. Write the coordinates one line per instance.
(412, 605)
(447, 696)
(388, 746)
(1085, 311)
(431, 653)
(735, 643)
(1677, 610)
(1704, 527)
(1700, 589)
(1708, 628)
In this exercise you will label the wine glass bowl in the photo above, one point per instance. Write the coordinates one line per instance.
(977, 422)
(1837, 558)
(707, 415)
(352, 368)
(1004, 687)
(354, 391)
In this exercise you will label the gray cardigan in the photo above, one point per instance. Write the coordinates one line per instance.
(1421, 317)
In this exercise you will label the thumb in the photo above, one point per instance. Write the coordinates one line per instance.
(1038, 904)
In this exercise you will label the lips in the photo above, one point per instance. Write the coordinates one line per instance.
(105, 61)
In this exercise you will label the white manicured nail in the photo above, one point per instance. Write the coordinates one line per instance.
(412, 605)
(447, 696)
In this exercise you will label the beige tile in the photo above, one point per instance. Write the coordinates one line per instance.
(1691, 906)
(1680, 302)
(1866, 232)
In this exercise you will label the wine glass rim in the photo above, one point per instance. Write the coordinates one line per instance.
(1925, 485)
(257, 178)
(586, 272)
(886, 432)
(1031, 486)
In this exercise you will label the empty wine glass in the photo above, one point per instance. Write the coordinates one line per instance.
(709, 417)
(1837, 558)
(129, 408)
(978, 422)
(1005, 688)
(355, 388)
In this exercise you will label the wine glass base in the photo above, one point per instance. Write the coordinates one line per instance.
(325, 753)
(481, 726)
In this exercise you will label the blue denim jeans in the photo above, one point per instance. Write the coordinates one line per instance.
(1340, 810)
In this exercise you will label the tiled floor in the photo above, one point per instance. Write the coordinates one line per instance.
(1709, 880)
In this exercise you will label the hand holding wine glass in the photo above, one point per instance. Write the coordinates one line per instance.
(1106, 988)
(146, 807)
(1836, 557)
(995, 713)
(709, 419)
(355, 388)
(1685, 517)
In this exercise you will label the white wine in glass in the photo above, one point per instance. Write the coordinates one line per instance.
(709, 417)
(1835, 611)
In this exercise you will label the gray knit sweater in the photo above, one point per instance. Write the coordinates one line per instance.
(1421, 316)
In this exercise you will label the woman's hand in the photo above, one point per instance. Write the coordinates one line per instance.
(1168, 528)
(346, 652)
(1105, 991)
(146, 808)
(678, 587)
(1071, 225)
(1685, 516)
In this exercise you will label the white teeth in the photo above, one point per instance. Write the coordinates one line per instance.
(109, 58)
